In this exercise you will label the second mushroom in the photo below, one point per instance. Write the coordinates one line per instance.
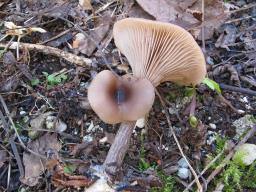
(157, 52)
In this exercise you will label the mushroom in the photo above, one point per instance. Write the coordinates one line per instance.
(117, 99)
(157, 52)
(160, 51)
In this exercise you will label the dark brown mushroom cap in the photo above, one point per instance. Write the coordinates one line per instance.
(117, 99)
(160, 51)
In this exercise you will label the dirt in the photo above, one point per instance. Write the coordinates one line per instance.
(230, 55)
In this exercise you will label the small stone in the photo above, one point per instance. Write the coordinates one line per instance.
(182, 163)
(87, 138)
(172, 111)
(243, 124)
(22, 113)
(246, 154)
(183, 173)
(209, 60)
(240, 111)
(49, 122)
(212, 126)
(244, 100)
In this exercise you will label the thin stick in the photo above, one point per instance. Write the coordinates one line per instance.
(203, 28)
(204, 170)
(237, 89)
(199, 186)
(81, 61)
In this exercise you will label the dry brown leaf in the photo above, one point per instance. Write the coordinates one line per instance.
(65, 180)
(34, 166)
(85, 4)
(87, 44)
(137, 12)
(187, 14)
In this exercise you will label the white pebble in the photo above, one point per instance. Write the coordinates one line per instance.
(212, 125)
(182, 163)
(183, 173)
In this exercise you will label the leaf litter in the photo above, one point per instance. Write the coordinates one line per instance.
(84, 29)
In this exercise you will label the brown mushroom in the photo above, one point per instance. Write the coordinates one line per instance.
(160, 51)
(157, 52)
(117, 99)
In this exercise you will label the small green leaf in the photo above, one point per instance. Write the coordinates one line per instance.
(35, 82)
(69, 169)
(193, 121)
(45, 74)
(212, 84)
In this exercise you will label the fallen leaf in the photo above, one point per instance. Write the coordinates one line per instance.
(187, 14)
(137, 12)
(34, 165)
(85, 4)
(87, 44)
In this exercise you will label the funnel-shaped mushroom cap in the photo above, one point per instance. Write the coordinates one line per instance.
(160, 51)
(116, 99)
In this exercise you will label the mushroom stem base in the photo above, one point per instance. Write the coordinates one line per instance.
(118, 150)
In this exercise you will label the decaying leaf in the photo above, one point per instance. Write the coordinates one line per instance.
(62, 179)
(85, 4)
(187, 14)
(34, 166)
(87, 44)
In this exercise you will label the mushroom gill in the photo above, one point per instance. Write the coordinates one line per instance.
(160, 51)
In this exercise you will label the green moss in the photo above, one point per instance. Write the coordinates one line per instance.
(249, 177)
(168, 184)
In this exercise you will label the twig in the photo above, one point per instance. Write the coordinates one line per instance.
(81, 61)
(243, 8)
(17, 157)
(239, 19)
(203, 28)
(204, 170)
(200, 189)
(231, 153)
(118, 149)
(55, 37)
(237, 89)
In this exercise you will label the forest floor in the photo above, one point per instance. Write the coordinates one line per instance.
(50, 138)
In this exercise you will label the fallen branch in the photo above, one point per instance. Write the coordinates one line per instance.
(237, 89)
(81, 61)
(118, 150)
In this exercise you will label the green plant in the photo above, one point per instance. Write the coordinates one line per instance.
(231, 177)
(193, 121)
(69, 168)
(168, 183)
(249, 179)
(212, 85)
(54, 79)
(236, 176)
(143, 164)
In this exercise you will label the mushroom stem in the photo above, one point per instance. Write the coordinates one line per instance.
(118, 149)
